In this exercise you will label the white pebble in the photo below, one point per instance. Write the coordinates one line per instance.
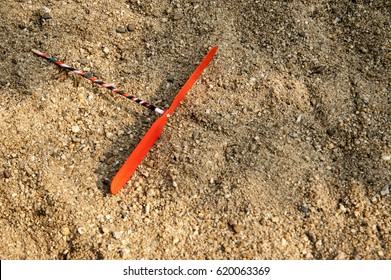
(117, 234)
(342, 208)
(386, 157)
(252, 81)
(147, 209)
(75, 129)
(385, 190)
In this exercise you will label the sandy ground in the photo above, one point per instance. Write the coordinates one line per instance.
(280, 151)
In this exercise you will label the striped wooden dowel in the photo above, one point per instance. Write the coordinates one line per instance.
(99, 82)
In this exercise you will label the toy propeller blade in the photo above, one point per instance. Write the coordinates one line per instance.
(154, 132)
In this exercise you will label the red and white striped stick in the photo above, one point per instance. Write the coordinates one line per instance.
(100, 82)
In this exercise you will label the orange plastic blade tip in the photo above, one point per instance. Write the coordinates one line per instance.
(138, 154)
(193, 78)
(153, 134)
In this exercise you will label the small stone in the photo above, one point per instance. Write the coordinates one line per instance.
(81, 230)
(342, 208)
(46, 16)
(155, 13)
(124, 252)
(317, 69)
(330, 131)
(363, 50)
(175, 240)
(385, 190)
(237, 228)
(121, 29)
(65, 231)
(311, 236)
(117, 234)
(106, 50)
(302, 34)
(304, 209)
(131, 27)
(109, 135)
(386, 157)
(341, 256)
(252, 81)
(147, 209)
(104, 229)
(170, 79)
(284, 242)
(7, 173)
(227, 249)
(75, 129)
(178, 15)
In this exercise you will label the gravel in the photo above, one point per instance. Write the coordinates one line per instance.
(285, 135)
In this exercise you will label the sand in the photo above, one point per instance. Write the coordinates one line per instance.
(282, 150)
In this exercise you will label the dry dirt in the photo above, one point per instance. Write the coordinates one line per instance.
(280, 151)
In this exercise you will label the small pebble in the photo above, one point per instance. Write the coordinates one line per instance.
(317, 69)
(227, 249)
(109, 135)
(75, 129)
(170, 79)
(124, 253)
(106, 50)
(303, 209)
(131, 27)
(117, 234)
(252, 81)
(147, 209)
(46, 16)
(341, 256)
(237, 228)
(65, 231)
(385, 190)
(81, 230)
(121, 29)
(7, 174)
(342, 208)
(386, 157)
(311, 236)
(104, 229)
(178, 16)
